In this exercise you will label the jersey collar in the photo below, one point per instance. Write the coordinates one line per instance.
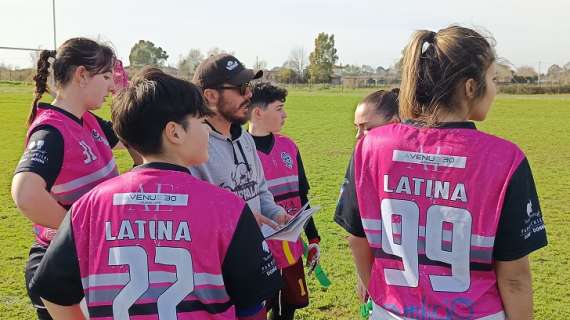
(264, 143)
(445, 125)
(68, 114)
(163, 166)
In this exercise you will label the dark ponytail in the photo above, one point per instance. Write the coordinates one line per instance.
(40, 79)
(385, 103)
(96, 58)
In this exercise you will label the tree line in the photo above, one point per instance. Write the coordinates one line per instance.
(321, 65)
(318, 66)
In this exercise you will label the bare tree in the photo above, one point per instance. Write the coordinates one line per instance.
(297, 60)
(504, 73)
(34, 57)
(366, 69)
(526, 71)
(216, 50)
(260, 64)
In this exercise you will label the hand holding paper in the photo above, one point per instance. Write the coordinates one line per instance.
(292, 230)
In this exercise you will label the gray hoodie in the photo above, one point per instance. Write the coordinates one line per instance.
(234, 165)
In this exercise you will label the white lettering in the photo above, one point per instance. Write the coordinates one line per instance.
(441, 190)
(126, 231)
(459, 193)
(140, 227)
(417, 186)
(153, 229)
(164, 230)
(386, 187)
(108, 234)
(428, 188)
(404, 186)
(183, 231)
(429, 184)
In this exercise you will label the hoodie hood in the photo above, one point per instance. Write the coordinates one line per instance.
(236, 132)
(233, 164)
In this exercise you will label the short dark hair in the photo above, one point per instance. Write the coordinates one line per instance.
(265, 93)
(385, 103)
(141, 111)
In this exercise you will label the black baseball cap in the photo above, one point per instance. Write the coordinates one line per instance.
(223, 68)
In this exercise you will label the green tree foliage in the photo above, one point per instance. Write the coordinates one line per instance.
(187, 64)
(287, 75)
(146, 53)
(322, 59)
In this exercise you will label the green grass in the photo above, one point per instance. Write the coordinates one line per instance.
(320, 121)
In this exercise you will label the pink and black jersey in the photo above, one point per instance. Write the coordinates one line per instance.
(287, 182)
(157, 243)
(282, 174)
(87, 159)
(437, 206)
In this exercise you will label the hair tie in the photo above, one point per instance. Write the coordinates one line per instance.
(428, 41)
(431, 37)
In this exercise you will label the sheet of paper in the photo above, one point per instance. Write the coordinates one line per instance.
(292, 230)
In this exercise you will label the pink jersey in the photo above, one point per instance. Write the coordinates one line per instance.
(152, 243)
(282, 175)
(87, 161)
(120, 75)
(430, 202)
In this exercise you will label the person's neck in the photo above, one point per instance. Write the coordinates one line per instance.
(70, 102)
(165, 157)
(453, 117)
(221, 125)
(258, 131)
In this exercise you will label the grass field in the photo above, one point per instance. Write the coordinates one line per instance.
(320, 122)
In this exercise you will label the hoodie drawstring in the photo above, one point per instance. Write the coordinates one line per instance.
(234, 152)
(243, 155)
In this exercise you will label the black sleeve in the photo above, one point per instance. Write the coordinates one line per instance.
(303, 181)
(521, 228)
(310, 228)
(249, 270)
(107, 127)
(58, 279)
(346, 213)
(43, 154)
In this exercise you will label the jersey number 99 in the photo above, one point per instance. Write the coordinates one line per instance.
(407, 247)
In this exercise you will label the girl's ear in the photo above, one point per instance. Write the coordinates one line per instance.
(470, 88)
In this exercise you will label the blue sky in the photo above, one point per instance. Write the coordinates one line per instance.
(366, 32)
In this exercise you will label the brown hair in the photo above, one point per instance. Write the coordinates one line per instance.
(95, 57)
(433, 67)
(385, 103)
(141, 111)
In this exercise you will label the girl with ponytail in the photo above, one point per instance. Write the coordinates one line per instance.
(448, 214)
(68, 148)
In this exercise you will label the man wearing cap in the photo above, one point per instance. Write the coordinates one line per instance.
(233, 161)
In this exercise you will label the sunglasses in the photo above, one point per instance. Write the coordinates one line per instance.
(242, 89)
